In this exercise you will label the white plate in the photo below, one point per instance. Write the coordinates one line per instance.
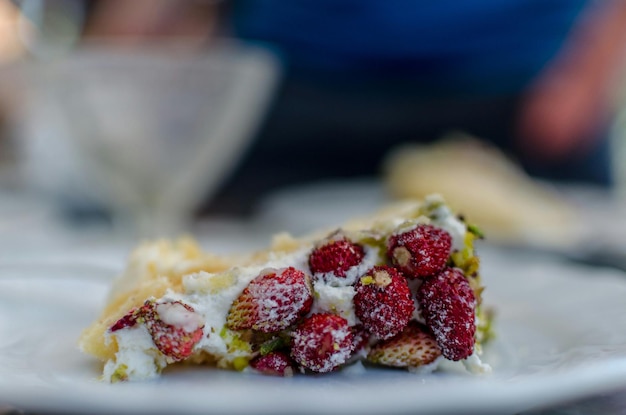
(562, 335)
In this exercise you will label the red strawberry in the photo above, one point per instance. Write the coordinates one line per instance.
(273, 363)
(448, 305)
(129, 320)
(322, 342)
(383, 301)
(272, 301)
(414, 347)
(175, 327)
(337, 255)
(420, 251)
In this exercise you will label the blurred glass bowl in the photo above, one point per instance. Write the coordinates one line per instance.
(149, 133)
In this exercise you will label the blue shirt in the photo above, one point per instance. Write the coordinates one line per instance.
(466, 44)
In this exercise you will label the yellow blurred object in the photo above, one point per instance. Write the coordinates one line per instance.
(494, 192)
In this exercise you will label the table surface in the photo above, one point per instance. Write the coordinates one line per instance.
(608, 404)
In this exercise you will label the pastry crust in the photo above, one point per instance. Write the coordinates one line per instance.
(153, 268)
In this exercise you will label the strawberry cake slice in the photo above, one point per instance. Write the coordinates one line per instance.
(400, 289)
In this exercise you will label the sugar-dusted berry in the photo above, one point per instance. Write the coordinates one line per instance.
(420, 251)
(273, 301)
(276, 363)
(383, 301)
(175, 328)
(448, 305)
(322, 342)
(336, 254)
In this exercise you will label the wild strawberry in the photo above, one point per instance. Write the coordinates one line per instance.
(272, 301)
(175, 328)
(448, 305)
(414, 347)
(274, 363)
(336, 254)
(383, 301)
(322, 342)
(420, 251)
(129, 320)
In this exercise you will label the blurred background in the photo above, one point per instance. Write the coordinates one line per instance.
(149, 118)
(234, 119)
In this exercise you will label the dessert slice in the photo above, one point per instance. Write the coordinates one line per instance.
(400, 289)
